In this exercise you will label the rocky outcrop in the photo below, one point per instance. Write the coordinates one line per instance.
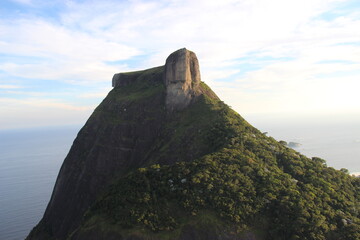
(122, 79)
(124, 132)
(163, 158)
(127, 78)
(116, 138)
(182, 79)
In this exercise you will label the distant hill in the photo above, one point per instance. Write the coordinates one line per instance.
(162, 157)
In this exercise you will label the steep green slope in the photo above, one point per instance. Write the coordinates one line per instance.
(247, 184)
(162, 157)
(129, 129)
(115, 139)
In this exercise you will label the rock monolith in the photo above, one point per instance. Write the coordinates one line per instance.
(182, 79)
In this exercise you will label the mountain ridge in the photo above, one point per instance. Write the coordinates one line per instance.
(146, 167)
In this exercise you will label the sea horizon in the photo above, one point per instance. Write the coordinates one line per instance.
(31, 159)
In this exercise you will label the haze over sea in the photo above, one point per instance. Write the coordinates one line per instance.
(31, 158)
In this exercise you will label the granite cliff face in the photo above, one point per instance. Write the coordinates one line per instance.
(182, 79)
(125, 132)
(117, 137)
(162, 157)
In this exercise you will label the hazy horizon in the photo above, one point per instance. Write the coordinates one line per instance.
(28, 176)
(290, 68)
(314, 133)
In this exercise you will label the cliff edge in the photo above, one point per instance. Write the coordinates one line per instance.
(181, 78)
(125, 132)
(163, 158)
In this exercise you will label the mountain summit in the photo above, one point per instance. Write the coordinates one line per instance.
(181, 78)
(162, 157)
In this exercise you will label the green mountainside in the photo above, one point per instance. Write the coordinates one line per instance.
(248, 183)
(139, 171)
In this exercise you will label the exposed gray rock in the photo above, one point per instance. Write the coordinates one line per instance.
(122, 79)
(107, 146)
(182, 79)
(126, 78)
(121, 135)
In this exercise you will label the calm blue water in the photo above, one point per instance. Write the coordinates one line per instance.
(29, 164)
(30, 161)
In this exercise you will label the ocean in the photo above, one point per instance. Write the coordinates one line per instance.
(30, 160)
(337, 142)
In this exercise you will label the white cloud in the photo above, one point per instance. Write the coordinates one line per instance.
(38, 38)
(66, 54)
(301, 46)
(67, 71)
(98, 94)
(27, 2)
(9, 86)
(295, 87)
(34, 112)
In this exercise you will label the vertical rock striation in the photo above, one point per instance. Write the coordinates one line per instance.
(119, 136)
(182, 79)
(116, 138)
(162, 157)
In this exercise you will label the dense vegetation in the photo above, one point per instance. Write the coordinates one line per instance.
(248, 180)
(142, 172)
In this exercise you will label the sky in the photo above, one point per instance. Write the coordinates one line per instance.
(263, 58)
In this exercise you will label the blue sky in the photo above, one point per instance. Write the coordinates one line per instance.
(261, 57)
